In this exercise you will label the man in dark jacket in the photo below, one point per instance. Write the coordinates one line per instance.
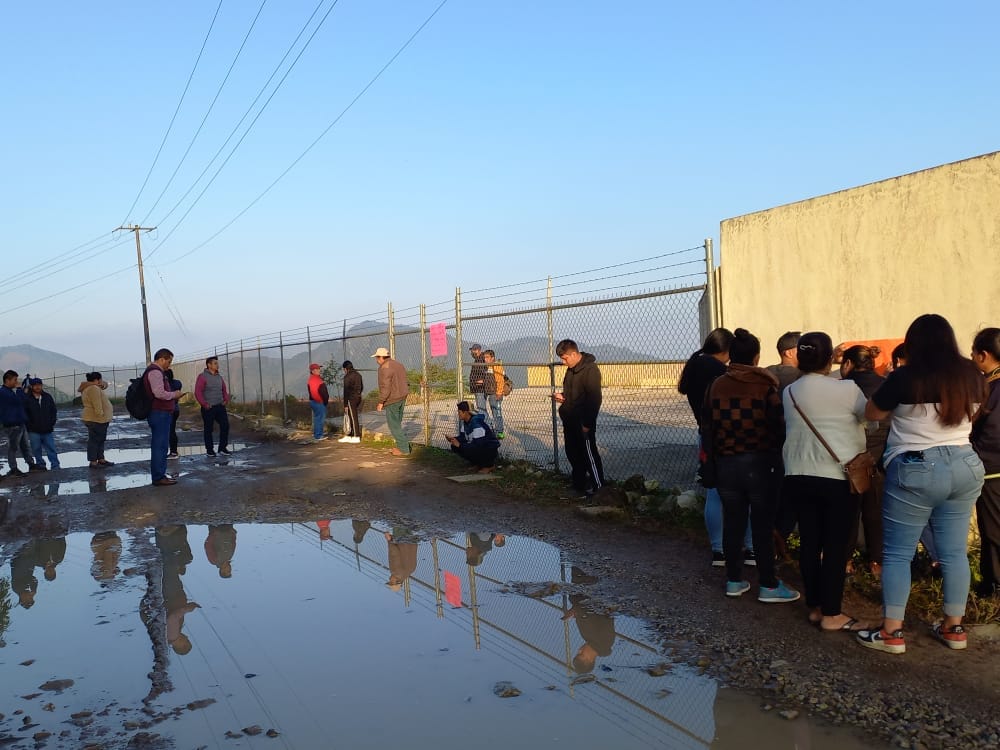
(579, 404)
(476, 443)
(41, 412)
(354, 388)
(478, 376)
(14, 419)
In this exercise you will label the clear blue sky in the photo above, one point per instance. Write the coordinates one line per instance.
(509, 141)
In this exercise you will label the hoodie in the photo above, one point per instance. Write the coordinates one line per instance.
(582, 392)
(743, 413)
(96, 404)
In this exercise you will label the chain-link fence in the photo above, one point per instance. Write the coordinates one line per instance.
(640, 319)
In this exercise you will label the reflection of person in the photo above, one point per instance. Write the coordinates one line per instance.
(476, 442)
(597, 631)
(319, 397)
(220, 546)
(97, 414)
(479, 543)
(402, 561)
(212, 395)
(107, 549)
(360, 527)
(354, 388)
(176, 554)
(41, 411)
(579, 405)
(324, 529)
(392, 392)
(158, 390)
(22, 575)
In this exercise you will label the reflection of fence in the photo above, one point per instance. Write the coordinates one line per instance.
(674, 710)
(641, 319)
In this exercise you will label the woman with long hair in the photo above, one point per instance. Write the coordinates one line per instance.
(986, 441)
(824, 429)
(932, 474)
(858, 365)
(702, 367)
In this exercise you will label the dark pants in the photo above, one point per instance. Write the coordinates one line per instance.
(97, 435)
(173, 431)
(17, 440)
(748, 488)
(581, 450)
(826, 510)
(482, 456)
(988, 518)
(352, 423)
(870, 518)
(216, 414)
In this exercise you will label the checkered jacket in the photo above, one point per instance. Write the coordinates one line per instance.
(743, 413)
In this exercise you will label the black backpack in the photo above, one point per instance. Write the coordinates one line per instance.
(137, 401)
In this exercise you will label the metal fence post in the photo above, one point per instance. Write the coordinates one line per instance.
(229, 374)
(243, 375)
(459, 377)
(710, 291)
(309, 343)
(425, 386)
(552, 373)
(114, 383)
(343, 343)
(281, 356)
(392, 333)
(260, 375)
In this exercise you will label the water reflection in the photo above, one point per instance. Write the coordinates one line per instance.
(308, 634)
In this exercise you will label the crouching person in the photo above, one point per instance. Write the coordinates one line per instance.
(476, 442)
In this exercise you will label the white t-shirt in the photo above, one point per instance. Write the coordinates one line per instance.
(837, 410)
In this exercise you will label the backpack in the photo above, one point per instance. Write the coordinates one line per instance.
(508, 386)
(137, 401)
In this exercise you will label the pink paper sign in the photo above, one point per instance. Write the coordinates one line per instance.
(439, 340)
(452, 589)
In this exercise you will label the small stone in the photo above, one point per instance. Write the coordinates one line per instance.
(505, 690)
(56, 686)
(231, 735)
(789, 714)
(658, 670)
(27, 663)
(253, 731)
(272, 733)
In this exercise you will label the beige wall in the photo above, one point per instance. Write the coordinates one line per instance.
(631, 375)
(863, 263)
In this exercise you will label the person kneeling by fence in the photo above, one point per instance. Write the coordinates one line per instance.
(476, 442)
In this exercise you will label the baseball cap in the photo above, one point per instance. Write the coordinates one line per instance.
(475, 346)
(381, 352)
(315, 366)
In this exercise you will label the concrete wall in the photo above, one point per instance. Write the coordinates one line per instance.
(863, 263)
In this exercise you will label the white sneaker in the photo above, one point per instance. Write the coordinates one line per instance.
(346, 439)
(354, 440)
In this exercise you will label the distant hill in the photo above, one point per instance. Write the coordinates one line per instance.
(25, 359)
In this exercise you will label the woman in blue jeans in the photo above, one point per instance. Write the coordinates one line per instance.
(932, 475)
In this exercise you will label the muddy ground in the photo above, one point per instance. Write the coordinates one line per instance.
(929, 697)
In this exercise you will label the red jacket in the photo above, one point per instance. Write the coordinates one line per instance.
(317, 390)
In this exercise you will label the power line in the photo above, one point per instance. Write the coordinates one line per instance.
(72, 252)
(176, 110)
(103, 277)
(205, 118)
(39, 274)
(316, 140)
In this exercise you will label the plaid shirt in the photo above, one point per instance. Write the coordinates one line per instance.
(743, 413)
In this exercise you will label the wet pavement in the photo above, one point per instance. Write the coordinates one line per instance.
(343, 633)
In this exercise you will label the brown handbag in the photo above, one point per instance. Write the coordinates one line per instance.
(859, 470)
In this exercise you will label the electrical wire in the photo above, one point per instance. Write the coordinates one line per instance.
(83, 249)
(174, 118)
(104, 277)
(207, 113)
(317, 139)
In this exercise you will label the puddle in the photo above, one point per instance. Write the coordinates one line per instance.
(77, 459)
(347, 634)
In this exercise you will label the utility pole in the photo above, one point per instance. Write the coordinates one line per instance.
(142, 283)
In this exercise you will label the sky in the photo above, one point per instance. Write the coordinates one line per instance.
(507, 141)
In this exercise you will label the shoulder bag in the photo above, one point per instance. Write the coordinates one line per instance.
(859, 470)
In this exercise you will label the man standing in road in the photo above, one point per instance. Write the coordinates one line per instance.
(154, 380)
(211, 393)
(41, 410)
(392, 392)
(579, 404)
(354, 388)
(319, 397)
(478, 376)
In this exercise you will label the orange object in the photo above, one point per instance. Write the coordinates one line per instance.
(452, 589)
(883, 362)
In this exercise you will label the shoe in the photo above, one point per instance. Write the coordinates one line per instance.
(891, 643)
(953, 637)
(737, 588)
(225, 451)
(851, 626)
(346, 439)
(37, 467)
(172, 455)
(780, 593)
(16, 472)
(210, 453)
(320, 439)
(718, 560)
(102, 463)
(397, 453)
(501, 435)
(165, 482)
(354, 440)
(749, 558)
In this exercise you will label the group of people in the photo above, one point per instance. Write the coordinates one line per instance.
(777, 445)
(28, 415)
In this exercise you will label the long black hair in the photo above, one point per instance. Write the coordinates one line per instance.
(940, 373)
(717, 342)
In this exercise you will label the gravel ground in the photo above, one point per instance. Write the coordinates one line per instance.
(928, 698)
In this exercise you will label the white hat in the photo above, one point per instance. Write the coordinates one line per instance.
(381, 352)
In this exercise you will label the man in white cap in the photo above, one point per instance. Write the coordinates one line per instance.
(392, 392)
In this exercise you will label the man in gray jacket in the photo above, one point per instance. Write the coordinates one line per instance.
(212, 395)
(392, 392)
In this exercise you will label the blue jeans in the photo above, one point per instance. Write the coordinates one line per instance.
(497, 410)
(319, 417)
(394, 416)
(159, 444)
(44, 440)
(939, 487)
(713, 522)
